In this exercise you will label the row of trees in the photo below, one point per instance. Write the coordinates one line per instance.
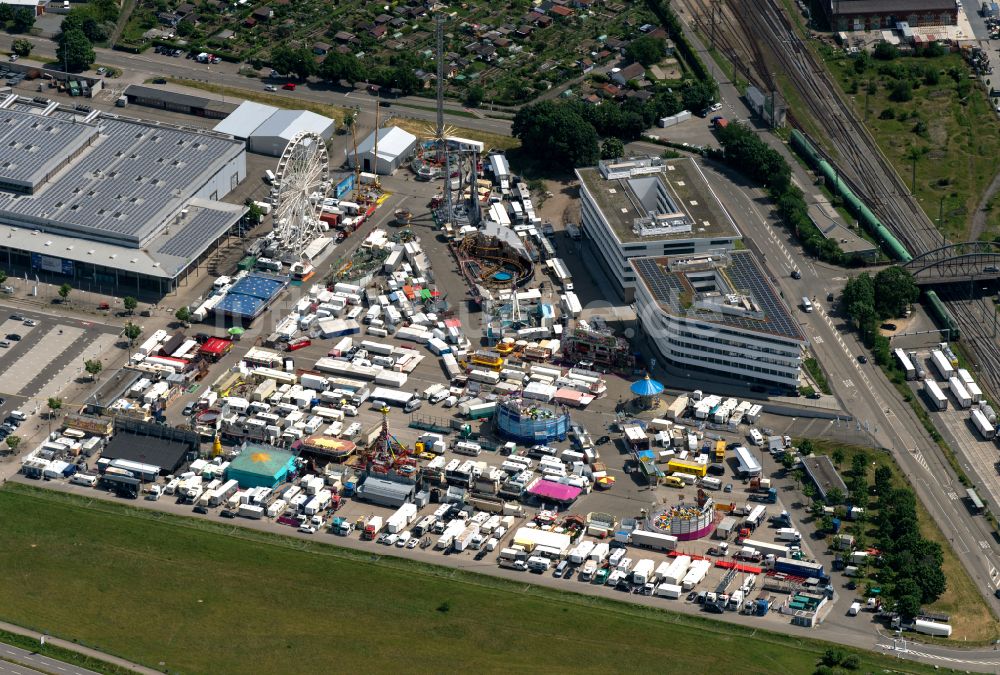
(300, 62)
(869, 300)
(910, 566)
(744, 150)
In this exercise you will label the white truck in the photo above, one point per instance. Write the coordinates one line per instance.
(643, 571)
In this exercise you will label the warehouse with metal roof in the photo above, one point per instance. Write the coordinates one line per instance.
(111, 204)
(267, 130)
(395, 146)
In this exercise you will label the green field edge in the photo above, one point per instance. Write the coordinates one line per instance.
(802, 644)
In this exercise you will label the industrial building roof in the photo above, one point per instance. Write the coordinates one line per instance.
(392, 142)
(286, 123)
(823, 473)
(117, 180)
(261, 460)
(177, 97)
(891, 6)
(34, 147)
(624, 200)
(242, 121)
(166, 255)
(162, 452)
(758, 306)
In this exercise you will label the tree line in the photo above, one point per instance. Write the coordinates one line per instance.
(746, 152)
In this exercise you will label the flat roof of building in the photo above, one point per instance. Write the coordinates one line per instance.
(832, 226)
(162, 452)
(824, 474)
(891, 6)
(178, 98)
(689, 190)
(756, 305)
(132, 178)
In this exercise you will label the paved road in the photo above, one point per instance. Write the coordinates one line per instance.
(17, 660)
(137, 68)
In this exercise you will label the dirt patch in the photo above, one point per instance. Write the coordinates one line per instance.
(561, 204)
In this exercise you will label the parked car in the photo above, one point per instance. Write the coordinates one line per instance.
(14, 337)
(270, 87)
(290, 86)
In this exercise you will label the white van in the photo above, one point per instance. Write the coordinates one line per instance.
(756, 437)
(18, 415)
(83, 479)
(538, 564)
(269, 176)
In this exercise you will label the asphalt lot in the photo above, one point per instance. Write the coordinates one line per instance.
(48, 356)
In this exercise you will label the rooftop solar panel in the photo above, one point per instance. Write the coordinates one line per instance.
(747, 277)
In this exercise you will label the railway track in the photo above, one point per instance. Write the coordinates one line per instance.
(859, 158)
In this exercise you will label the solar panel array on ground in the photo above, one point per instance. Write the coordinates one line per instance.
(746, 276)
(250, 295)
(128, 184)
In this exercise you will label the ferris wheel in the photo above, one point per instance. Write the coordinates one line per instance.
(303, 181)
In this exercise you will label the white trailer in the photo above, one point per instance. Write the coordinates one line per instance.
(905, 363)
(959, 392)
(677, 570)
(942, 364)
(643, 571)
(654, 540)
(765, 548)
(391, 396)
(932, 628)
(986, 430)
(937, 398)
(672, 591)
(695, 575)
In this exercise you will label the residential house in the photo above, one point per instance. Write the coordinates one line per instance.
(634, 71)
(586, 65)
(502, 42)
(263, 14)
(168, 18)
(382, 18)
(523, 32)
(378, 32)
(544, 21)
(615, 45)
(560, 10)
(397, 22)
(321, 48)
(592, 99)
(344, 36)
(249, 22)
(609, 91)
(184, 9)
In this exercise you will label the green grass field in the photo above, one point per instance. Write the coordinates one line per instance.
(959, 134)
(206, 597)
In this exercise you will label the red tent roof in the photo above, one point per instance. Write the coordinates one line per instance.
(217, 346)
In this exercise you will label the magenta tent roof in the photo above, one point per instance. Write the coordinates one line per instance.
(556, 491)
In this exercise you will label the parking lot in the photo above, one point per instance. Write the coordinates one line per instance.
(40, 354)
